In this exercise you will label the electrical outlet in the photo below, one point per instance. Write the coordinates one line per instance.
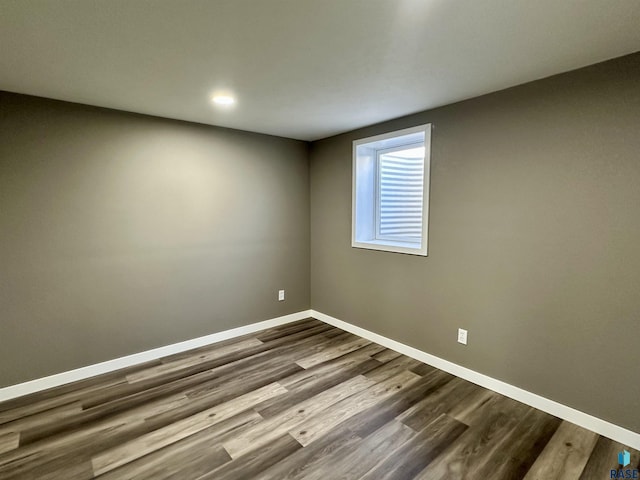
(280, 295)
(462, 336)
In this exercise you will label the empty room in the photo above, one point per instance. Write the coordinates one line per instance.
(319, 239)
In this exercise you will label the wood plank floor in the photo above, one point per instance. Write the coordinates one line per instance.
(300, 401)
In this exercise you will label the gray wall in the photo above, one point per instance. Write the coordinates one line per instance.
(120, 233)
(534, 240)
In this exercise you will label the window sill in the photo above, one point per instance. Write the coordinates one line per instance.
(393, 247)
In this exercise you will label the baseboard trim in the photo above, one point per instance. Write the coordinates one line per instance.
(602, 427)
(39, 384)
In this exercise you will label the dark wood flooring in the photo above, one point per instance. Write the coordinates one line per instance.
(300, 401)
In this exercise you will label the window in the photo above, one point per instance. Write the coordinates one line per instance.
(391, 191)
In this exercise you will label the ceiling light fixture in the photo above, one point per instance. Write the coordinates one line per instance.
(223, 100)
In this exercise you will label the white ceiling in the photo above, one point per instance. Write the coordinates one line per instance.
(304, 69)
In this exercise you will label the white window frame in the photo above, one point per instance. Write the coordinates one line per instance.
(373, 240)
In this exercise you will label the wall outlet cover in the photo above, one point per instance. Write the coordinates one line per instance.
(462, 336)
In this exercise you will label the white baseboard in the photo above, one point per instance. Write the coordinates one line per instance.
(21, 389)
(602, 427)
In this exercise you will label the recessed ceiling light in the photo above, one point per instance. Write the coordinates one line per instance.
(223, 99)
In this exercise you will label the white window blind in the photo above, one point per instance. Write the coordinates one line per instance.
(401, 188)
